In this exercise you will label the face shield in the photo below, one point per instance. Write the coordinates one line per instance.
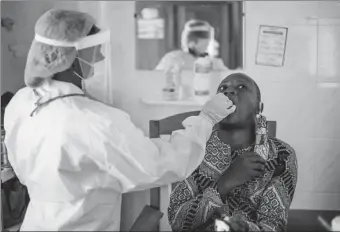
(213, 45)
(193, 33)
(92, 64)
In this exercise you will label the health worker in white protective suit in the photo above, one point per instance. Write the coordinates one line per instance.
(77, 155)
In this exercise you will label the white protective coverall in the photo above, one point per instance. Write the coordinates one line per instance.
(76, 155)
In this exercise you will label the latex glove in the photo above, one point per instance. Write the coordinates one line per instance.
(217, 108)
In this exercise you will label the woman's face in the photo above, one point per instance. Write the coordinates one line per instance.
(201, 45)
(91, 56)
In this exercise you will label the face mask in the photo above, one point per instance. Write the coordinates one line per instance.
(86, 62)
(83, 84)
(92, 85)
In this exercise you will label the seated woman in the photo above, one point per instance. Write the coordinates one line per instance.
(197, 38)
(247, 179)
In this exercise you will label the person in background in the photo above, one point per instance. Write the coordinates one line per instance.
(253, 190)
(197, 41)
(5, 99)
(77, 155)
(7, 23)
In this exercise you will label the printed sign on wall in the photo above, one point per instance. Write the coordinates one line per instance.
(271, 46)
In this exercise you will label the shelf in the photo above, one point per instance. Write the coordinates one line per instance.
(160, 102)
(328, 85)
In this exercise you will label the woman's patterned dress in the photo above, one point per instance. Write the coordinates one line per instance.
(262, 203)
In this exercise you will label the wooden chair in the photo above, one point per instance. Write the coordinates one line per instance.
(165, 127)
(148, 220)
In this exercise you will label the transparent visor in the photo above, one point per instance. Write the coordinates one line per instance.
(92, 64)
(205, 28)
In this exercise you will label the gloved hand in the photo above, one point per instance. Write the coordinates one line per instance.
(217, 108)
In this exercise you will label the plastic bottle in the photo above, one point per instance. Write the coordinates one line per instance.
(202, 77)
(336, 223)
(173, 83)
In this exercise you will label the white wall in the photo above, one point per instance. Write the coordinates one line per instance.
(295, 95)
(22, 34)
(303, 96)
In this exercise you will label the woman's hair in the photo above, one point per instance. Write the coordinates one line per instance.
(194, 30)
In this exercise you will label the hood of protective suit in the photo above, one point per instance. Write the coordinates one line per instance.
(44, 60)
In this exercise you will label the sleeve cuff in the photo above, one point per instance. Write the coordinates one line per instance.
(194, 120)
(202, 126)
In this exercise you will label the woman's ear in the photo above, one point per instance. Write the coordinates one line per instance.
(260, 107)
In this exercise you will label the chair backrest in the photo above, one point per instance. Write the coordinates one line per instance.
(148, 220)
(167, 125)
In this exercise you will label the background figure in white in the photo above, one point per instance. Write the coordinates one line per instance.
(197, 41)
